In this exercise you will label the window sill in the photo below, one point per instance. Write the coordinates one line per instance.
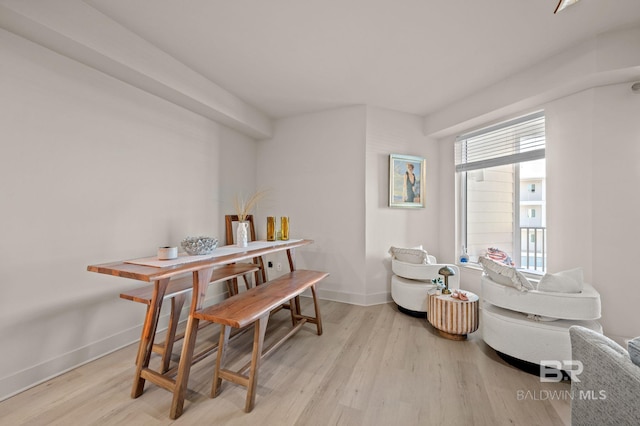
(532, 276)
(469, 265)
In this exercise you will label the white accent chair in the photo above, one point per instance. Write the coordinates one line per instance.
(533, 325)
(411, 284)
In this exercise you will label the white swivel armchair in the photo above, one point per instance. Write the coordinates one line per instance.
(414, 272)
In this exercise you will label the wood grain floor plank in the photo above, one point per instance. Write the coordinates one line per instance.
(372, 366)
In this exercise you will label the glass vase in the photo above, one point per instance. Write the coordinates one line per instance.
(284, 227)
(271, 228)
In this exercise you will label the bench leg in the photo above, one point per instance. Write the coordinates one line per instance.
(294, 311)
(256, 356)
(232, 286)
(177, 302)
(251, 381)
(222, 351)
(148, 334)
(247, 282)
(316, 307)
(260, 275)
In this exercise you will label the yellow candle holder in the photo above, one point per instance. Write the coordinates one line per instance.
(271, 228)
(284, 228)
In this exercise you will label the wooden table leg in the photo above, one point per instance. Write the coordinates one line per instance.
(294, 304)
(177, 302)
(148, 334)
(200, 282)
(291, 259)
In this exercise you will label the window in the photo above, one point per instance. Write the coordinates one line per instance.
(501, 176)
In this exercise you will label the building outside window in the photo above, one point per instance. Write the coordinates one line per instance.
(501, 177)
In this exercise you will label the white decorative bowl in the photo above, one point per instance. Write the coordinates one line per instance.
(199, 245)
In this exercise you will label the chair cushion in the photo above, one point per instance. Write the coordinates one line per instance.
(514, 334)
(409, 255)
(570, 281)
(411, 294)
(505, 275)
(423, 272)
(634, 350)
(569, 306)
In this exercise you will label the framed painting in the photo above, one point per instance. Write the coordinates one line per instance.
(407, 177)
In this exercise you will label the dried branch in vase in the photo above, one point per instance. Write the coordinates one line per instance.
(244, 206)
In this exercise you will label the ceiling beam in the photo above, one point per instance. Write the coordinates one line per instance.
(80, 32)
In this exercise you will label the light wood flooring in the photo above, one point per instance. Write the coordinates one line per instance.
(372, 366)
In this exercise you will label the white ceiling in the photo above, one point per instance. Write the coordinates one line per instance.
(287, 57)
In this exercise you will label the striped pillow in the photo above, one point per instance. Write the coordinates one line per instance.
(499, 256)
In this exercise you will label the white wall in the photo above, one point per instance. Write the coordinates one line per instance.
(593, 153)
(569, 155)
(392, 132)
(93, 170)
(616, 203)
(314, 170)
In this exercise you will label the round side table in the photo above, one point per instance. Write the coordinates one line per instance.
(453, 318)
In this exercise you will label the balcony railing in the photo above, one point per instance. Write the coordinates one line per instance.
(533, 248)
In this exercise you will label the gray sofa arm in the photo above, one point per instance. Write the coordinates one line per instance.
(608, 390)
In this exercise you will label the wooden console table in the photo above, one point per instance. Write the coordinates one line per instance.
(201, 271)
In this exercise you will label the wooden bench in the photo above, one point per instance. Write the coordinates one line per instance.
(254, 307)
(177, 291)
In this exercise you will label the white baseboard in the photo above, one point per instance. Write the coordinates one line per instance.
(379, 298)
(354, 299)
(25, 379)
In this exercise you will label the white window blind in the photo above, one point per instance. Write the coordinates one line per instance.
(518, 140)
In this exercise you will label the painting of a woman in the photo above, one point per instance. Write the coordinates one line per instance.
(409, 185)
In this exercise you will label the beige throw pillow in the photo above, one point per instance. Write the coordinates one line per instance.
(505, 275)
(409, 255)
(570, 281)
